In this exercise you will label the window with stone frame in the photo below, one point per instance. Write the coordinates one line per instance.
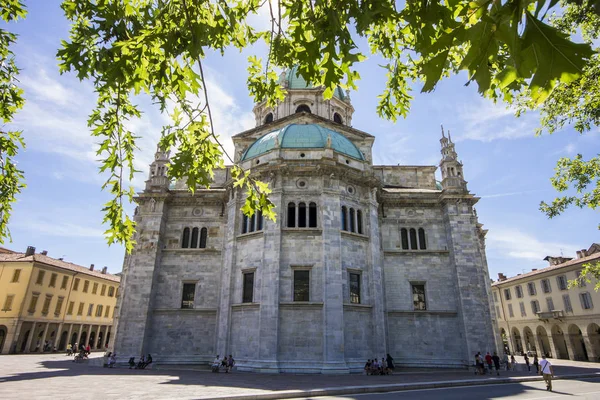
(95, 288)
(412, 234)
(511, 313)
(33, 303)
(86, 286)
(76, 284)
(404, 238)
(188, 295)
(53, 280)
(418, 294)
(111, 291)
(248, 287)
(422, 240)
(40, 277)
(562, 282)
(65, 282)
(352, 220)
(507, 294)
(522, 307)
(59, 303)
(107, 311)
(567, 303)
(550, 303)
(580, 281)
(46, 306)
(301, 285)
(546, 288)
(8, 302)
(535, 306)
(413, 239)
(299, 215)
(519, 291)
(99, 309)
(80, 309)
(586, 301)
(253, 223)
(103, 290)
(90, 310)
(70, 308)
(531, 288)
(16, 275)
(354, 284)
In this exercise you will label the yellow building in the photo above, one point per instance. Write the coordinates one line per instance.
(538, 312)
(47, 303)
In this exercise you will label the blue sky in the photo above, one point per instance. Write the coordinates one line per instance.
(504, 163)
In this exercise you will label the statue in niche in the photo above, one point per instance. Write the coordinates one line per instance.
(152, 205)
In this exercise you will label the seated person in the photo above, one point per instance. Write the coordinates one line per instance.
(148, 361)
(368, 367)
(112, 360)
(141, 363)
(131, 362)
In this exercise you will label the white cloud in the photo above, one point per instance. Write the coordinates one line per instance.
(487, 121)
(54, 228)
(491, 196)
(520, 245)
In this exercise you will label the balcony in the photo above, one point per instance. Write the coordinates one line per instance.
(548, 315)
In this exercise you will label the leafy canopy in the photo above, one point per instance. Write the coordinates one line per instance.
(156, 48)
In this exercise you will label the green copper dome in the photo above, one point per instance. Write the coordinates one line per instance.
(302, 136)
(296, 81)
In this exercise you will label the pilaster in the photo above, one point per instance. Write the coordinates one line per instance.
(376, 277)
(30, 337)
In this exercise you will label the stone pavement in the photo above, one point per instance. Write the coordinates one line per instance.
(55, 376)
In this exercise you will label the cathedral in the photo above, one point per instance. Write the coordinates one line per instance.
(364, 260)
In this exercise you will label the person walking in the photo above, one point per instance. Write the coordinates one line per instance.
(547, 372)
(527, 363)
(513, 363)
(488, 361)
(390, 362)
(536, 364)
(496, 361)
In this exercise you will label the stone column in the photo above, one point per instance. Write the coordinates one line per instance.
(12, 339)
(591, 350)
(135, 301)
(30, 338)
(379, 339)
(69, 334)
(538, 345)
(79, 336)
(58, 335)
(570, 348)
(99, 339)
(333, 296)
(87, 338)
(269, 294)
(472, 280)
(44, 336)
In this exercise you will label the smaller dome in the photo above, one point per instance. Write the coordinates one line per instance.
(303, 136)
(296, 81)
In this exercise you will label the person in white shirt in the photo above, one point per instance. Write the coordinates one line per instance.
(547, 372)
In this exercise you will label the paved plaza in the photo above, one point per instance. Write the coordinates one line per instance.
(55, 376)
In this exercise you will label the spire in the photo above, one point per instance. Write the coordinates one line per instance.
(443, 131)
(449, 137)
(452, 169)
(158, 170)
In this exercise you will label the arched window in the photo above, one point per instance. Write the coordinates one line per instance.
(337, 118)
(291, 217)
(185, 239)
(413, 239)
(359, 227)
(351, 218)
(203, 236)
(422, 243)
(404, 237)
(259, 221)
(303, 108)
(312, 215)
(302, 215)
(269, 118)
(244, 223)
(344, 219)
(194, 243)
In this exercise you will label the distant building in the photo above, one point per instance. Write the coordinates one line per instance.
(363, 260)
(48, 302)
(537, 311)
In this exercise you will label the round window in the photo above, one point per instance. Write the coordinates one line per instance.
(350, 189)
(301, 183)
(302, 155)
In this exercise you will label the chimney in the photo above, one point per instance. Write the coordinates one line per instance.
(30, 251)
(91, 267)
(581, 253)
(501, 276)
(533, 269)
(44, 252)
(104, 270)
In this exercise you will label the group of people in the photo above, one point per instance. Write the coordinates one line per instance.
(111, 359)
(226, 363)
(542, 367)
(383, 367)
(142, 363)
